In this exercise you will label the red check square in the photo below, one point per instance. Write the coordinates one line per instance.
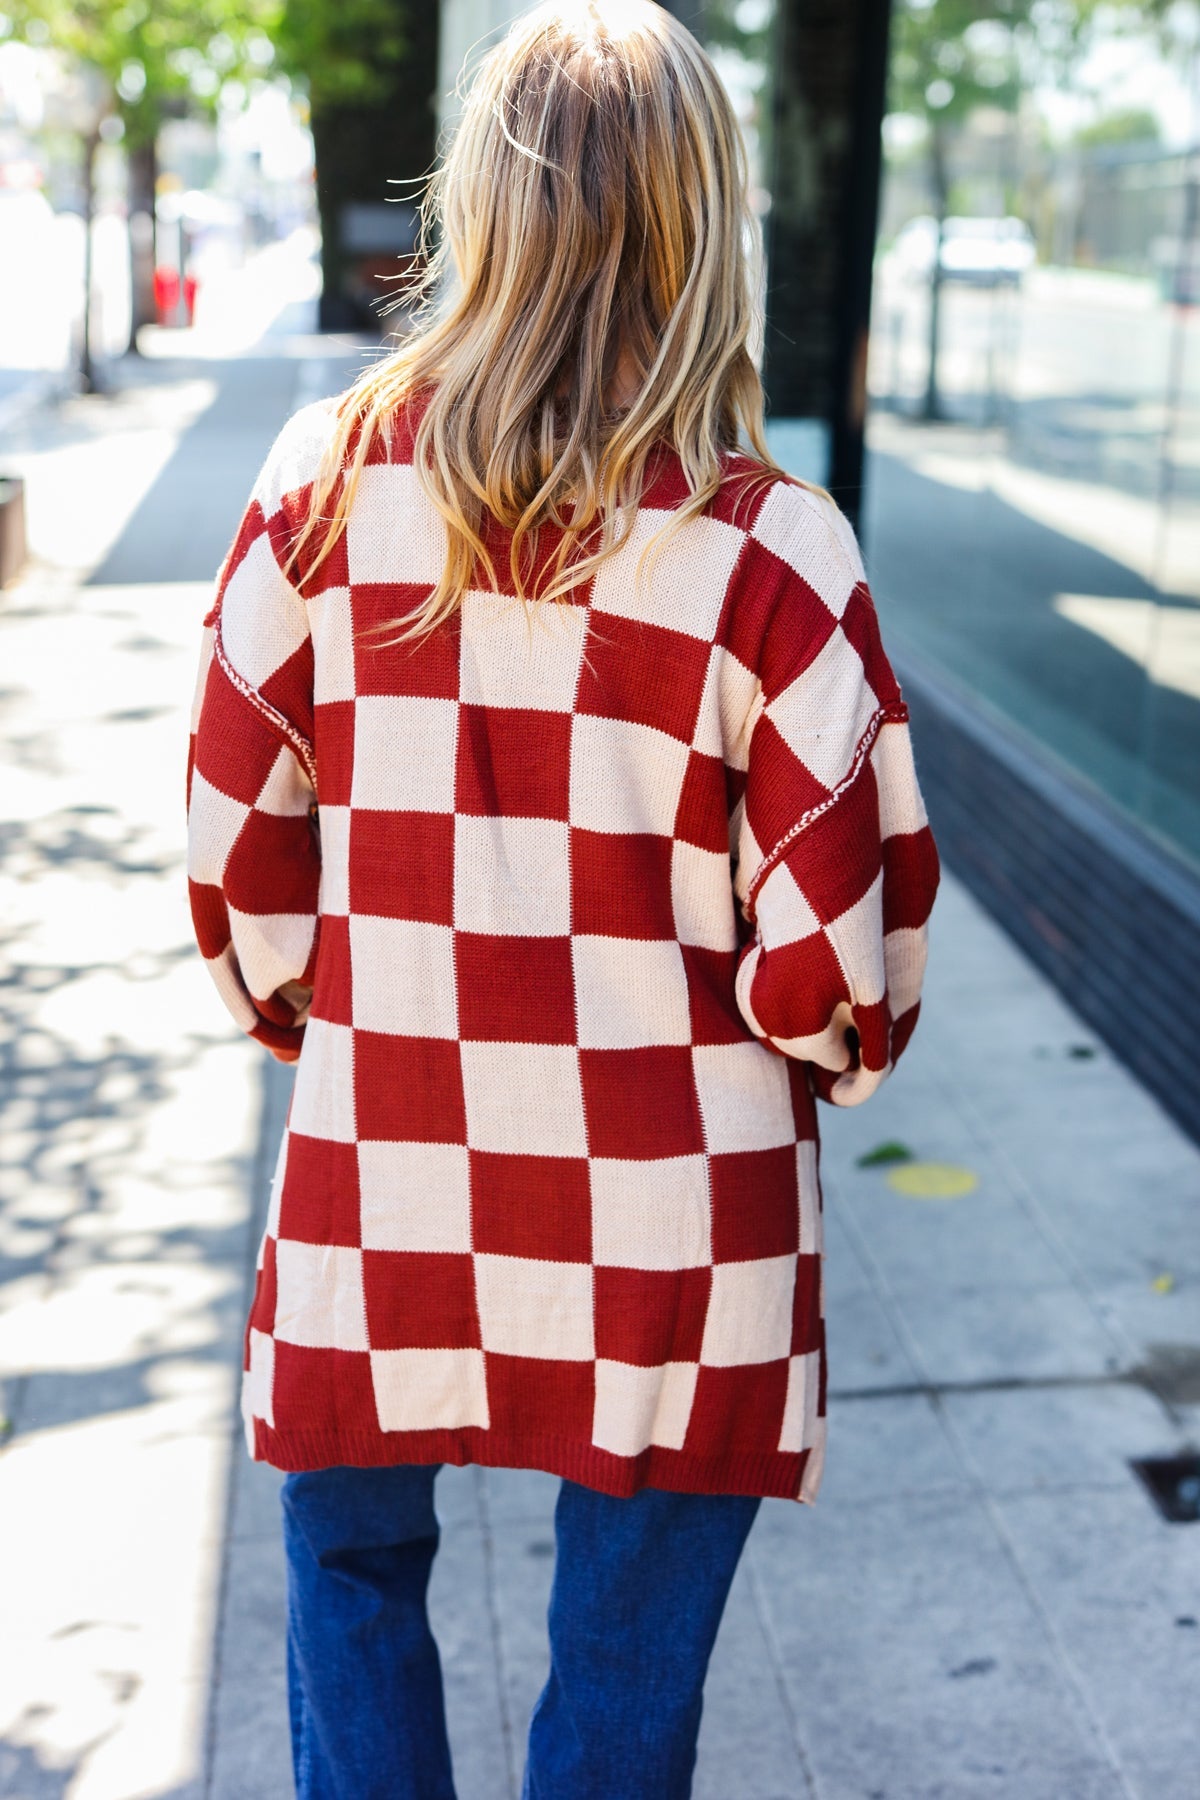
(736, 1411)
(651, 1316)
(535, 1396)
(644, 673)
(223, 757)
(309, 577)
(702, 818)
(514, 990)
(325, 1384)
(755, 1204)
(808, 1326)
(714, 1008)
(285, 843)
(426, 667)
(641, 1103)
(513, 762)
(402, 865)
(621, 884)
(420, 1300)
(408, 1089)
(332, 990)
(319, 1200)
(334, 745)
(531, 1206)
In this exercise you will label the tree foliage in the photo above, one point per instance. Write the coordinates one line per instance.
(153, 57)
(950, 57)
(156, 58)
(346, 52)
(1131, 125)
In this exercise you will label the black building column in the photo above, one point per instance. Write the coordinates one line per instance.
(368, 227)
(830, 76)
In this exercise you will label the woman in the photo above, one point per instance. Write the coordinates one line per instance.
(553, 806)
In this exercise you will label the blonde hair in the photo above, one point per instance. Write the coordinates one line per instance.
(592, 207)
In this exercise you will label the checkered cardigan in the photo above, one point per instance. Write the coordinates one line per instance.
(569, 915)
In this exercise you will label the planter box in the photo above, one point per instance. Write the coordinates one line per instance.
(12, 528)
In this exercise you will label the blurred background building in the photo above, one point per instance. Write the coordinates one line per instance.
(982, 332)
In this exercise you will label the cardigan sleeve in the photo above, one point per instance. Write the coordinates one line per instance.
(253, 843)
(837, 866)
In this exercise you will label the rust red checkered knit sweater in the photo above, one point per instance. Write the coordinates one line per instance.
(594, 902)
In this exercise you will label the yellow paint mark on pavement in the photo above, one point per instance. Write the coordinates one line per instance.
(933, 1180)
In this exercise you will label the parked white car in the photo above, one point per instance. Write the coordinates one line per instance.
(985, 252)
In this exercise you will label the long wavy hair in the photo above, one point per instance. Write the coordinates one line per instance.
(589, 223)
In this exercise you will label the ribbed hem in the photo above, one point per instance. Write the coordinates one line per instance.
(772, 1475)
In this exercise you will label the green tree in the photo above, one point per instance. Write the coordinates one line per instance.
(144, 60)
(951, 57)
(1131, 125)
(344, 52)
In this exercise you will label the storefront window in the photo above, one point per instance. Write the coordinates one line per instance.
(1033, 478)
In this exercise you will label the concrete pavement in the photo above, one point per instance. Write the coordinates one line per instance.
(983, 1602)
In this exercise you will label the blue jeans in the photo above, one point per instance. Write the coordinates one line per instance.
(639, 1589)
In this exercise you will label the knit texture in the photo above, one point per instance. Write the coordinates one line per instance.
(570, 915)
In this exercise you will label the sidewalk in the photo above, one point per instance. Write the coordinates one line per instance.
(983, 1602)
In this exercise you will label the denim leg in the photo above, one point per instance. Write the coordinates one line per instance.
(639, 1589)
(364, 1680)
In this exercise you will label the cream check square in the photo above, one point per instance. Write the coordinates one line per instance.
(258, 1382)
(287, 792)
(526, 1099)
(651, 1215)
(637, 1407)
(430, 1390)
(220, 821)
(394, 526)
(702, 897)
(320, 1301)
(334, 825)
(825, 711)
(630, 992)
(323, 1097)
(263, 621)
(539, 1309)
(857, 935)
(782, 908)
(905, 954)
(799, 529)
(404, 748)
(686, 589)
(745, 1100)
(402, 977)
(512, 877)
(901, 803)
(275, 1202)
(270, 947)
(332, 627)
(724, 721)
(801, 1421)
(625, 777)
(749, 1318)
(514, 656)
(414, 1197)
